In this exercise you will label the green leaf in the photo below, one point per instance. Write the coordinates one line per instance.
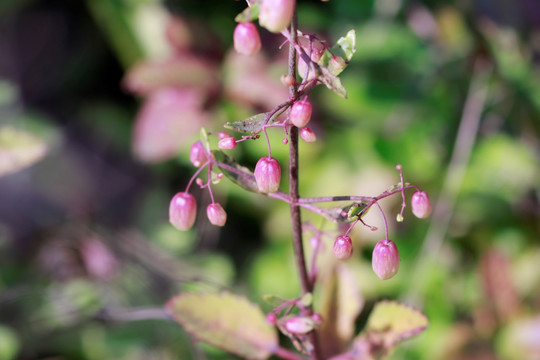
(237, 173)
(332, 82)
(307, 299)
(343, 52)
(253, 124)
(226, 321)
(396, 321)
(273, 299)
(347, 45)
(19, 149)
(249, 14)
(250, 125)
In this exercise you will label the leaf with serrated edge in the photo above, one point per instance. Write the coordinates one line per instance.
(396, 320)
(253, 124)
(242, 176)
(225, 321)
(332, 82)
(250, 125)
(249, 14)
(345, 49)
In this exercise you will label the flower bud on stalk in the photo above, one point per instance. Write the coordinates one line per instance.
(421, 206)
(216, 214)
(299, 325)
(267, 174)
(300, 113)
(246, 38)
(343, 247)
(276, 15)
(197, 154)
(308, 135)
(182, 210)
(385, 260)
(227, 143)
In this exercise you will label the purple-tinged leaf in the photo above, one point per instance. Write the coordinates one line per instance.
(167, 119)
(237, 173)
(225, 321)
(341, 302)
(181, 71)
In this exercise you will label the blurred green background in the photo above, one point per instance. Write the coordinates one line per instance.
(101, 100)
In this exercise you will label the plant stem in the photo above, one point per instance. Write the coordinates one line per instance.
(293, 188)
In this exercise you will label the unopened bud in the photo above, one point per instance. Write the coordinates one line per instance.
(227, 143)
(182, 210)
(287, 80)
(308, 135)
(385, 260)
(271, 318)
(267, 174)
(197, 154)
(420, 204)
(300, 113)
(299, 325)
(216, 214)
(246, 39)
(343, 247)
(276, 15)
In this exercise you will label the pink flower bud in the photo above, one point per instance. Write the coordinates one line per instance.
(287, 80)
(246, 38)
(227, 143)
(421, 207)
(385, 260)
(216, 214)
(183, 210)
(271, 318)
(299, 325)
(343, 248)
(267, 174)
(197, 154)
(300, 113)
(276, 15)
(308, 135)
(223, 135)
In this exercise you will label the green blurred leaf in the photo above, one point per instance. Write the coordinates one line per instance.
(396, 321)
(494, 165)
(249, 14)
(226, 321)
(273, 299)
(9, 344)
(19, 149)
(237, 173)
